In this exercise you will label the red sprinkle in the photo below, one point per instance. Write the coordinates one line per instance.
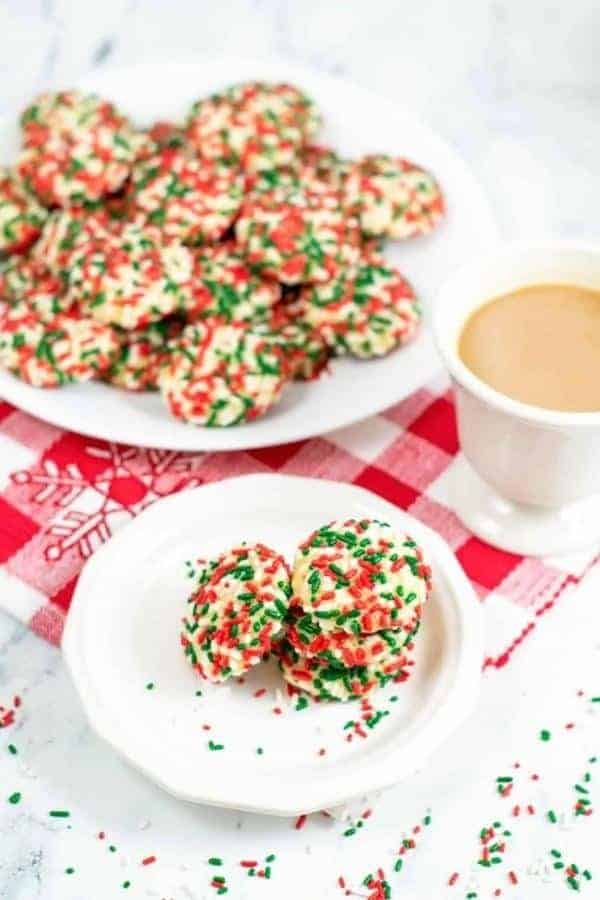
(512, 877)
(277, 710)
(101, 835)
(249, 863)
(516, 810)
(531, 810)
(341, 881)
(300, 821)
(148, 860)
(17, 702)
(322, 751)
(260, 692)
(453, 879)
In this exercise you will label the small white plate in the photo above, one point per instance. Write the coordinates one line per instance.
(122, 634)
(356, 122)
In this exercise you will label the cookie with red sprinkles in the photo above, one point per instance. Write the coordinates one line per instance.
(128, 277)
(360, 576)
(393, 197)
(236, 610)
(253, 125)
(304, 236)
(65, 233)
(225, 287)
(29, 280)
(142, 353)
(330, 679)
(69, 113)
(305, 349)
(367, 311)
(21, 216)
(222, 374)
(307, 638)
(66, 349)
(190, 199)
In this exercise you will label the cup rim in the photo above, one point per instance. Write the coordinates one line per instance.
(458, 370)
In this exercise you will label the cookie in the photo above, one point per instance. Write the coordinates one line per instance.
(226, 288)
(191, 200)
(67, 349)
(304, 237)
(28, 280)
(21, 216)
(141, 356)
(393, 197)
(367, 311)
(360, 576)
(127, 277)
(329, 679)
(253, 125)
(220, 375)
(67, 113)
(237, 609)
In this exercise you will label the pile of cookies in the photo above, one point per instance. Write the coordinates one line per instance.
(214, 259)
(342, 623)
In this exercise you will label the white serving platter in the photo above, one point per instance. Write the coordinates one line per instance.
(356, 122)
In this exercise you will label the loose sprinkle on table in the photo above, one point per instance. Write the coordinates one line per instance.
(148, 860)
(545, 735)
(213, 746)
(15, 798)
(59, 813)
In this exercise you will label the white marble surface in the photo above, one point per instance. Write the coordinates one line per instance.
(515, 87)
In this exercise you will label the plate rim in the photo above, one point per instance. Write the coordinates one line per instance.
(194, 439)
(397, 765)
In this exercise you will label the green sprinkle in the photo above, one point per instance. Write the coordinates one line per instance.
(112, 848)
(551, 816)
(271, 858)
(59, 813)
(69, 871)
(267, 872)
(301, 704)
(150, 686)
(12, 749)
(545, 735)
(573, 883)
(587, 874)
(215, 861)
(198, 693)
(349, 832)
(126, 884)
(595, 699)
(427, 820)
(559, 865)
(15, 798)
(556, 853)
(398, 865)
(213, 746)
(260, 751)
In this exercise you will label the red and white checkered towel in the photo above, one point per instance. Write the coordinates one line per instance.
(62, 495)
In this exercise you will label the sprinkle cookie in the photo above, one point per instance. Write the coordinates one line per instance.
(305, 349)
(29, 280)
(68, 348)
(67, 113)
(141, 356)
(368, 311)
(192, 200)
(393, 197)
(238, 608)
(329, 679)
(66, 233)
(303, 238)
(219, 375)
(226, 288)
(128, 278)
(360, 576)
(21, 216)
(254, 125)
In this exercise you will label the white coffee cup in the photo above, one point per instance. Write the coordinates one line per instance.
(537, 487)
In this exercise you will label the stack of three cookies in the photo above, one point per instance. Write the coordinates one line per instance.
(358, 594)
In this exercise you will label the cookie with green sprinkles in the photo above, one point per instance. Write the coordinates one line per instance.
(68, 348)
(308, 639)
(253, 125)
(236, 610)
(225, 287)
(71, 113)
(360, 576)
(323, 163)
(367, 311)
(141, 356)
(222, 374)
(65, 234)
(393, 197)
(302, 237)
(129, 277)
(330, 679)
(190, 199)
(305, 349)
(27, 279)
(21, 216)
